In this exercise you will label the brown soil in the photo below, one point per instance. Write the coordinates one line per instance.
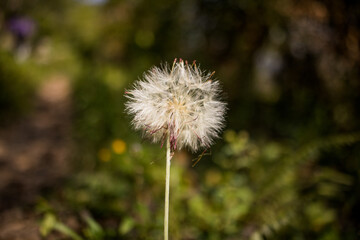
(33, 155)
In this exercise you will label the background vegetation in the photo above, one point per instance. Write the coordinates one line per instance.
(288, 164)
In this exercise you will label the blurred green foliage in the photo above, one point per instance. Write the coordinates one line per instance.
(288, 164)
(250, 191)
(15, 87)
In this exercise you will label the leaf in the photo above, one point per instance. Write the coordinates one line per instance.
(47, 224)
(66, 231)
(126, 225)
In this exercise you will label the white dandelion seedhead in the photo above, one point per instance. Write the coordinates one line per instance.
(181, 103)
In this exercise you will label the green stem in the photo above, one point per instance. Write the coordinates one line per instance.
(167, 190)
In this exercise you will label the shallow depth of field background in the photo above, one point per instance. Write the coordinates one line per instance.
(287, 165)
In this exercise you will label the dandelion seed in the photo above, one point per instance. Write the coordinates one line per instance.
(182, 102)
(180, 106)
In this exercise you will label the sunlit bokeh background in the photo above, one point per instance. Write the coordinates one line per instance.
(287, 165)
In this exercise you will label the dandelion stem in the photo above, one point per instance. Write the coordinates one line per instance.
(167, 189)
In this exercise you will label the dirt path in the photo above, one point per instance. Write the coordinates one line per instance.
(33, 155)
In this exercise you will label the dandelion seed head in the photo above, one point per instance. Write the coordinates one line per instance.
(181, 102)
